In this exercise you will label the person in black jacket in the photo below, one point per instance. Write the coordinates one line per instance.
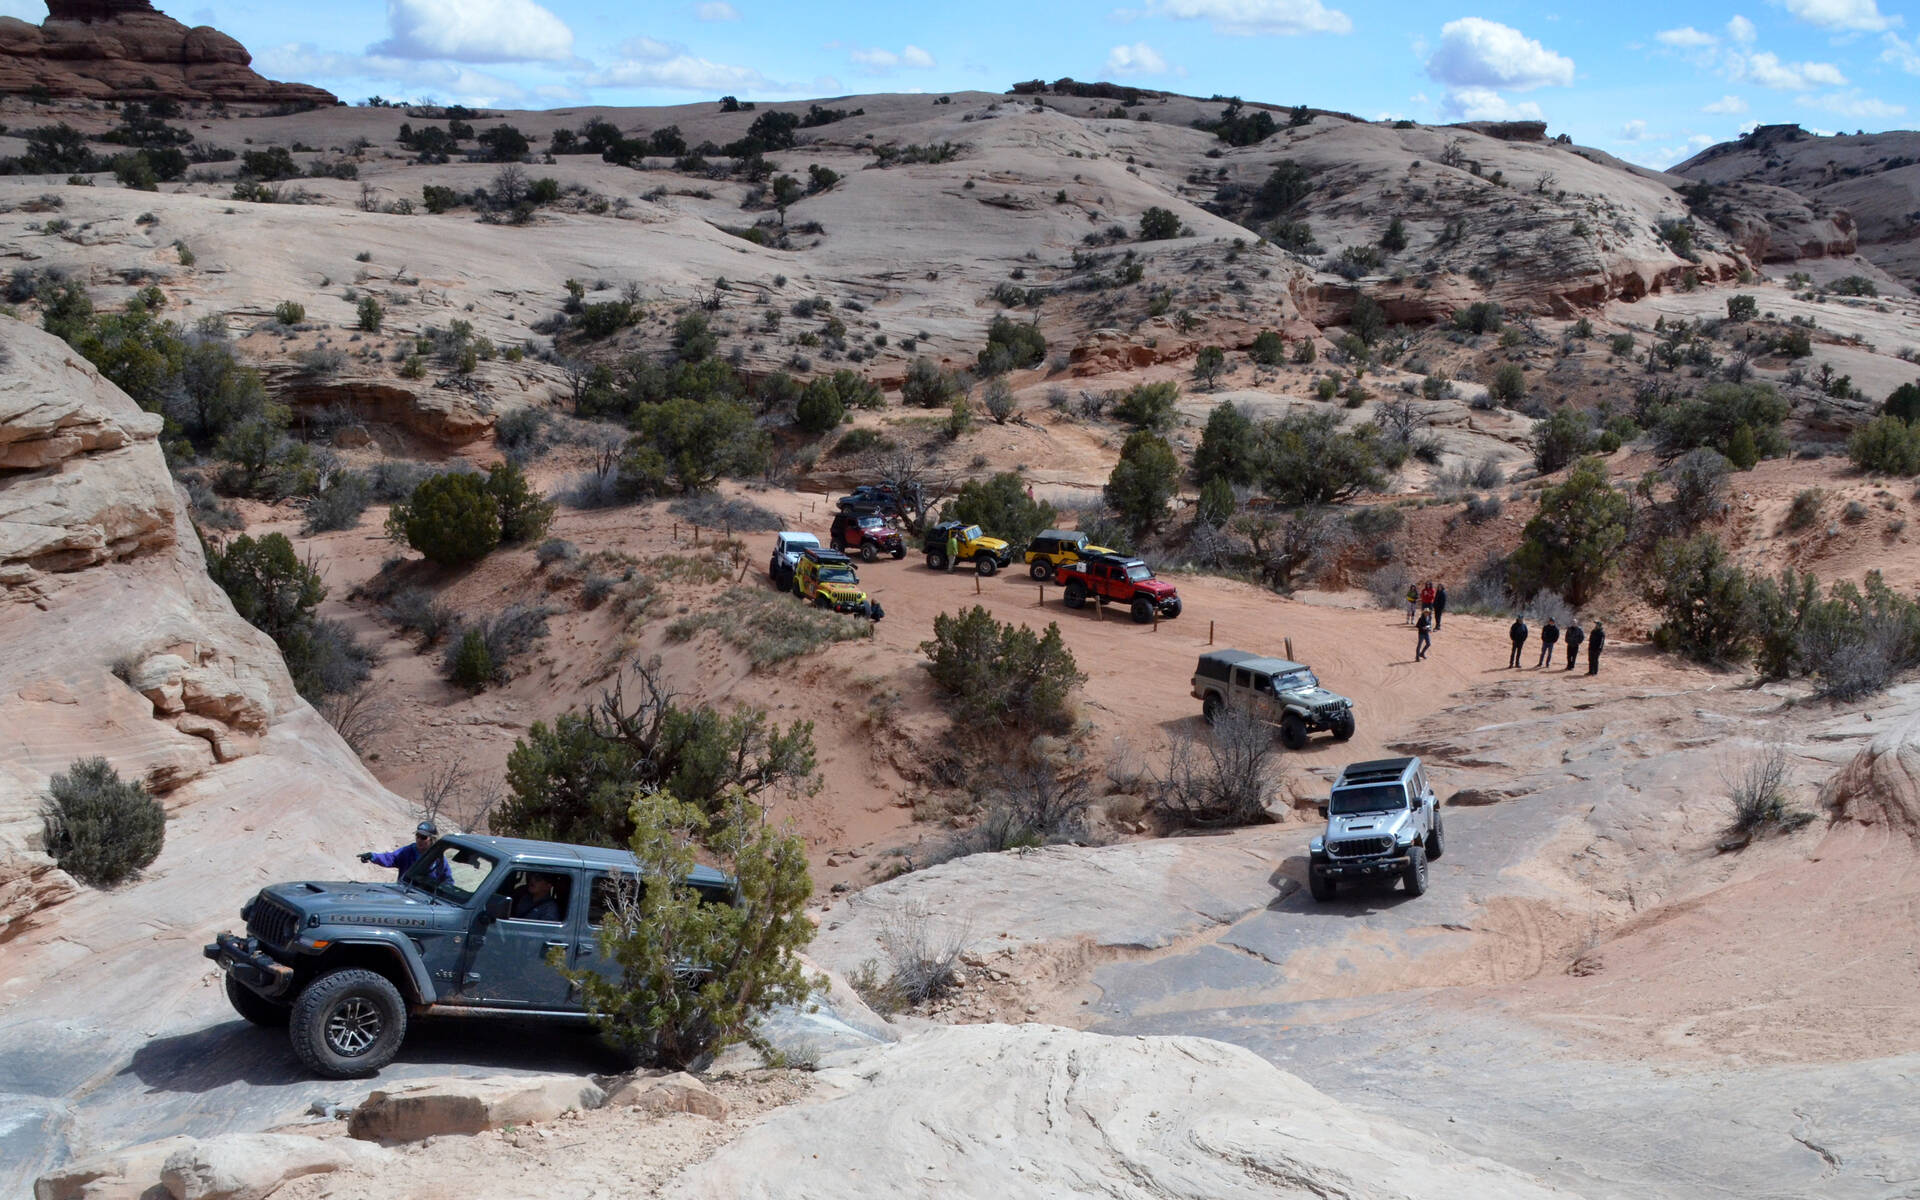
(1595, 640)
(1422, 642)
(1517, 634)
(1549, 638)
(1574, 638)
(1439, 604)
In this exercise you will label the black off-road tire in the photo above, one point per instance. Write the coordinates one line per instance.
(820, 600)
(1174, 609)
(348, 1023)
(256, 1008)
(1041, 570)
(1076, 595)
(1210, 708)
(837, 544)
(1435, 842)
(1322, 888)
(1142, 611)
(984, 565)
(1293, 732)
(1344, 730)
(899, 553)
(936, 562)
(868, 552)
(1415, 876)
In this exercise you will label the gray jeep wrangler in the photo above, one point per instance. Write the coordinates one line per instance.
(473, 930)
(1383, 822)
(1283, 693)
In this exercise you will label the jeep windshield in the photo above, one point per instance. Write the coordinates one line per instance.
(1294, 681)
(970, 534)
(465, 872)
(1375, 797)
(838, 574)
(1138, 572)
(872, 523)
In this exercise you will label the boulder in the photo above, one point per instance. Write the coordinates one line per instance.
(126, 1174)
(997, 1111)
(1881, 786)
(251, 1166)
(661, 1094)
(433, 1107)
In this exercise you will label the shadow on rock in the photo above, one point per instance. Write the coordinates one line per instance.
(1353, 899)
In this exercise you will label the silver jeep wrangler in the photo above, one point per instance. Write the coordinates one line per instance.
(1383, 822)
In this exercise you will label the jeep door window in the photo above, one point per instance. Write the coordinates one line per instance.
(466, 872)
(1377, 797)
(539, 896)
(609, 894)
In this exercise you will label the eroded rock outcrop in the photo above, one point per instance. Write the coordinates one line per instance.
(102, 49)
(435, 1107)
(1881, 786)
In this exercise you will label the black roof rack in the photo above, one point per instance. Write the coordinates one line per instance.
(1374, 771)
(822, 554)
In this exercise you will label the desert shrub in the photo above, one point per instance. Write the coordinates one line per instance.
(1569, 545)
(289, 312)
(522, 434)
(1757, 793)
(1269, 349)
(1708, 611)
(770, 628)
(395, 478)
(1148, 405)
(101, 829)
(574, 780)
(1368, 320)
(1287, 185)
(1903, 402)
(656, 926)
(1717, 417)
(1159, 224)
(414, 610)
(484, 652)
(1481, 509)
(1852, 642)
(1217, 502)
(1207, 365)
(687, 445)
(1220, 777)
(1306, 459)
(1482, 316)
(992, 675)
(1293, 547)
(371, 314)
(1228, 449)
(713, 511)
(1143, 481)
(1010, 345)
(928, 385)
(451, 518)
(996, 396)
(819, 409)
(469, 665)
(1886, 445)
(1001, 507)
(1742, 308)
(270, 165)
(922, 956)
(1509, 384)
(555, 550)
(1699, 482)
(1560, 437)
(277, 593)
(343, 496)
(1804, 510)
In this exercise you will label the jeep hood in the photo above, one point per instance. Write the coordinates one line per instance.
(1372, 824)
(841, 591)
(1154, 587)
(988, 543)
(1314, 697)
(329, 896)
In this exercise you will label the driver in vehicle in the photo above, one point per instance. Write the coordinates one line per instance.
(537, 903)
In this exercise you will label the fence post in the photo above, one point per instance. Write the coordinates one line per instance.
(976, 583)
(1209, 633)
(1289, 645)
(1043, 597)
(1156, 618)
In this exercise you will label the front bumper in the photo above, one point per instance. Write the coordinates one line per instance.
(1329, 719)
(1361, 868)
(243, 959)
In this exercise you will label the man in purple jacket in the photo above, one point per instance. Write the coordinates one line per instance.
(402, 858)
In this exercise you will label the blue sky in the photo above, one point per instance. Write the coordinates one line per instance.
(1650, 82)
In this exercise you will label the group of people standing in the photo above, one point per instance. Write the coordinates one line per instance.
(1550, 636)
(1426, 604)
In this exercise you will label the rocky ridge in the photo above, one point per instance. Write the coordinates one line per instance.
(127, 49)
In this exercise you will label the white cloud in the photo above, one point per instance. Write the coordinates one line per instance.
(1726, 106)
(1900, 53)
(1741, 30)
(648, 49)
(1634, 131)
(447, 81)
(1249, 18)
(1766, 69)
(886, 60)
(478, 31)
(1476, 53)
(647, 63)
(1685, 38)
(1852, 15)
(1137, 59)
(720, 10)
(1485, 104)
(1866, 108)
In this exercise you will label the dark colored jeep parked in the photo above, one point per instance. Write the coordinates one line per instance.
(867, 532)
(342, 965)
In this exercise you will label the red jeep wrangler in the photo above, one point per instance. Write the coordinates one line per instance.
(867, 532)
(1112, 579)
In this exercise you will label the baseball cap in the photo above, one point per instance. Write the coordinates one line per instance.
(428, 828)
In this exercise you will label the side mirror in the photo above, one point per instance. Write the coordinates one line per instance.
(499, 908)
(1323, 811)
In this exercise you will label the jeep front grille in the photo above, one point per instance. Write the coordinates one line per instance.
(1360, 847)
(273, 923)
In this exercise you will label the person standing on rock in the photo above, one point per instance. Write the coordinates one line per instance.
(402, 858)
(1595, 640)
(1549, 637)
(1422, 642)
(1439, 604)
(1574, 638)
(1517, 634)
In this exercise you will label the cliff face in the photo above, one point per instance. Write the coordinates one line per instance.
(100, 49)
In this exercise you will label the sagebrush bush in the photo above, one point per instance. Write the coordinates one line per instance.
(289, 312)
(339, 503)
(1148, 405)
(100, 828)
(415, 610)
(469, 665)
(993, 674)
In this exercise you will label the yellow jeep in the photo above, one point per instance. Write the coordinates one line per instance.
(1052, 549)
(987, 554)
(827, 578)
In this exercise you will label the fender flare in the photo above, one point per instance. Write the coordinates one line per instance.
(392, 942)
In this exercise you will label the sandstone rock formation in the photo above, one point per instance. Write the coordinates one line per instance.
(1881, 786)
(120, 49)
(433, 1107)
(677, 1092)
(1031, 1111)
(234, 1166)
